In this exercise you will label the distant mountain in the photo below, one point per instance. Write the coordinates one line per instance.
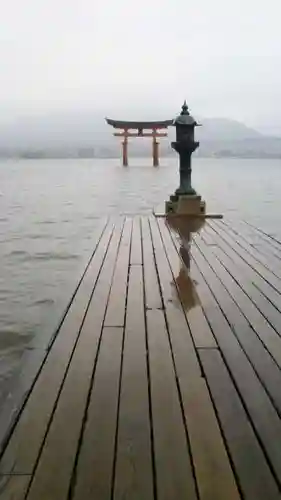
(56, 130)
(222, 129)
(86, 134)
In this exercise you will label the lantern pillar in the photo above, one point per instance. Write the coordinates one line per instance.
(185, 200)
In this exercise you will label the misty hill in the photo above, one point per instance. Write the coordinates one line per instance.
(222, 129)
(86, 134)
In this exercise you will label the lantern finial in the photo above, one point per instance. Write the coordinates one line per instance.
(184, 109)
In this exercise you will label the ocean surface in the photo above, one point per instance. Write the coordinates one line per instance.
(49, 215)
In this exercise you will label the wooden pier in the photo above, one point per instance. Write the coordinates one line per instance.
(162, 383)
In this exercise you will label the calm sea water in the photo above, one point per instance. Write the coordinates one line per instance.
(49, 213)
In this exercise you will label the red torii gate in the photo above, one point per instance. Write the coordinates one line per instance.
(136, 129)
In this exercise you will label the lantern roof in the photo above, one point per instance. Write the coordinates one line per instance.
(185, 117)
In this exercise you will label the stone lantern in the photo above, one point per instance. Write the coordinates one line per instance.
(185, 200)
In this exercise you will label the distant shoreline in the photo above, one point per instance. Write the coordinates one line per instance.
(219, 155)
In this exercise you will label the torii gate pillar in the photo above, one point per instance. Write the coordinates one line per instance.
(125, 151)
(155, 152)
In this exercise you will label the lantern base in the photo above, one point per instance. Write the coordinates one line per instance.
(183, 191)
(186, 205)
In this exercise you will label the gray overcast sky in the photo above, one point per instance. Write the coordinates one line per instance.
(222, 55)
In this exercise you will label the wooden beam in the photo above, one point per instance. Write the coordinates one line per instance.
(143, 134)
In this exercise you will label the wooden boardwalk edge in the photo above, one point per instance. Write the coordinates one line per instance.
(33, 362)
(163, 377)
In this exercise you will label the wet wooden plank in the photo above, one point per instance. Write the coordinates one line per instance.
(176, 320)
(115, 315)
(186, 285)
(267, 370)
(251, 257)
(212, 468)
(208, 238)
(13, 487)
(255, 238)
(151, 285)
(133, 474)
(270, 339)
(213, 471)
(263, 415)
(243, 230)
(51, 479)
(243, 278)
(136, 252)
(276, 244)
(18, 389)
(265, 297)
(269, 261)
(172, 461)
(24, 445)
(94, 469)
(255, 478)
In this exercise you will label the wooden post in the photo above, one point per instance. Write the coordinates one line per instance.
(155, 149)
(125, 149)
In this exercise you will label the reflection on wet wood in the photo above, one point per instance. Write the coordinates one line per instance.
(164, 378)
(200, 330)
(181, 339)
(212, 468)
